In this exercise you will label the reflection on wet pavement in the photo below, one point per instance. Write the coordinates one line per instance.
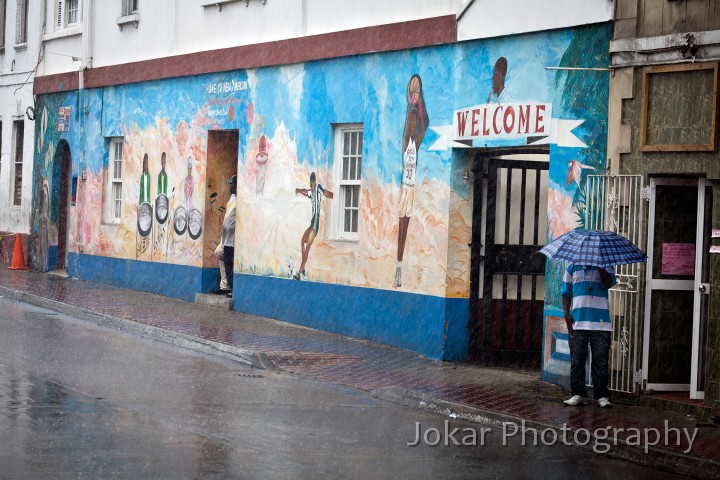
(81, 400)
(48, 430)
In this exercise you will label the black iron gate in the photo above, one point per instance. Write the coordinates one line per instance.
(507, 274)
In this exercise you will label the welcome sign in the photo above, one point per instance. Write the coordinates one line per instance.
(498, 120)
(517, 123)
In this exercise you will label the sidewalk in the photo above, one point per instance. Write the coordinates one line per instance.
(488, 395)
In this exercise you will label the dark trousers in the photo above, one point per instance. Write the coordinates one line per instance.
(600, 349)
(228, 260)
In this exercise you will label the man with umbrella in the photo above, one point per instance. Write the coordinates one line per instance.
(587, 316)
(592, 254)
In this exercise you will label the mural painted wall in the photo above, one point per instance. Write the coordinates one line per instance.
(583, 95)
(57, 136)
(164, 156)
(418, 109)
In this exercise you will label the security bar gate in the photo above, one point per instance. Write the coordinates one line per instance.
(617, 204)
(507, 273)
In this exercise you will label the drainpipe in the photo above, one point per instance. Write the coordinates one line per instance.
(85, 62)
(87, 34)
(463, 8)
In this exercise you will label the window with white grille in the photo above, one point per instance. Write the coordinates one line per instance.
(18, 137)
(68, 13)
(71, 13)
(114, 184)
(21, 22)
(3, 18)
(348, 175)
(129, 7)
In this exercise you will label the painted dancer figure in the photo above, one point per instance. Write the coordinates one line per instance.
(261, 159)
(416, 123)
(314, 193)
(189, 185)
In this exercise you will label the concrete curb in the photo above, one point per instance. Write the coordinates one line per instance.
(254, 359)
(655, 458)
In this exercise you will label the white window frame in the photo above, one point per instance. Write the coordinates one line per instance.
(21, 22)
(129, 13)
(343, 158)
(18, 161)
(114, 182)
(129, 7)
(72, 12)
(68, 14)
(3, 24)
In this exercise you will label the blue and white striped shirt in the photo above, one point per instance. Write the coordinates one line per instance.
(589, 306)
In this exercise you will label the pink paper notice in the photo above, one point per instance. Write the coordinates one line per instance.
(678, 259)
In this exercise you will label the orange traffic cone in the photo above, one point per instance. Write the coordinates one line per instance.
(18, 262)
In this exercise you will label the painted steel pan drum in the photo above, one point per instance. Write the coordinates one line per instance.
(144, 219)
(180, 220)
(161, 208)
(195, 223)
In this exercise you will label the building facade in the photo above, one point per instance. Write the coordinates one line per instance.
(20, 52)
(376, 153)
(663, 128)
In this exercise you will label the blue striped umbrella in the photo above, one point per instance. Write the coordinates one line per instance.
(597, 248)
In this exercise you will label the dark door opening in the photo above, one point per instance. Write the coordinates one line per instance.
(507, 274)
(222, 163)
(60, 200)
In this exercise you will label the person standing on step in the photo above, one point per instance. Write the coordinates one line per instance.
(228, 235)
(587, 316)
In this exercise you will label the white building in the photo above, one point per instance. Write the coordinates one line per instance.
(20, 53)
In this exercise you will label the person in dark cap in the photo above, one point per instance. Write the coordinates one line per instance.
(228, 234)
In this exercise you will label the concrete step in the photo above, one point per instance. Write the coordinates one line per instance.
(213, 299)
(60, 272)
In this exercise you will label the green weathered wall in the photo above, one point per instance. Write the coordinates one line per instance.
(680, 108)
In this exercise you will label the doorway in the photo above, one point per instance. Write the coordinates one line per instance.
(676, 298)
(507, 283)
(60, 201)
(222, 163)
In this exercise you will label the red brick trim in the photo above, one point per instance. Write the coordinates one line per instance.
(56, 83)
(382, 38)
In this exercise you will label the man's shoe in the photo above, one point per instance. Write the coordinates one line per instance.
(575, 401)
(228, 295)
(604, 402)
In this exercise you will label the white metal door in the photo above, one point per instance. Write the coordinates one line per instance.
(677, 289)
(615, 203)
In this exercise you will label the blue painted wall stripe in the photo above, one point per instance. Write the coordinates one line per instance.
(432, 326)
(457, 313)
(177, 281)
(405, 320)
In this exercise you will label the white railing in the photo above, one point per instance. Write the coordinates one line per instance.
(617, 204)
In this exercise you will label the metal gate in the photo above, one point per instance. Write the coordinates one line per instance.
(507, 283)
(617, 204)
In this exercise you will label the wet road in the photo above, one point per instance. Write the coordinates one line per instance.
(77, 400)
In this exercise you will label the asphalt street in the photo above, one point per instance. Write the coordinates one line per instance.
(82, 401)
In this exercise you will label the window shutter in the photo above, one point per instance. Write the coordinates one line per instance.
(18, 22)
(59, 14)
(3, 18)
